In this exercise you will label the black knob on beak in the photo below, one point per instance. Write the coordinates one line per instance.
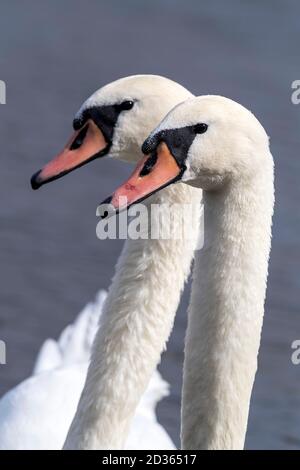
(152, 142)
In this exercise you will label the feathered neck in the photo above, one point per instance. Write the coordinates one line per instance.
(226, 312)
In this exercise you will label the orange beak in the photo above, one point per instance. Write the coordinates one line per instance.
(85, 145)
(150, 175)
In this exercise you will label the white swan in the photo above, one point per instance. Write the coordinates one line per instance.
(216, 144)
(150, 274)
(37, 413)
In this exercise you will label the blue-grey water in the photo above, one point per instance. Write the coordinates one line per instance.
(52, 56)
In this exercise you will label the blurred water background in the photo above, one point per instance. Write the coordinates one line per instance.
(52, 56)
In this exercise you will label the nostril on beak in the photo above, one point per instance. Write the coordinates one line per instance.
(149, 164)
(79, 139)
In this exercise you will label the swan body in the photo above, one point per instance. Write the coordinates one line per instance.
(37, 413)
(219, 146)
(150, 275)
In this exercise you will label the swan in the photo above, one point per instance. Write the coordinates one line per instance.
(36, 414)
(214, 143)
(150, 274)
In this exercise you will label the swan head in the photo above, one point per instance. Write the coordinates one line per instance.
(205, 142)
(114, 121)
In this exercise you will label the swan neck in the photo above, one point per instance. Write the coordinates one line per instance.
(135, 325)
(226, 313)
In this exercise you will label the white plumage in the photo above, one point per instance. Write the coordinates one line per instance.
(37, 413)
(231, 161)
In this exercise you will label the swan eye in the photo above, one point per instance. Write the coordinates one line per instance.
(200, 128)
(126, 105)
